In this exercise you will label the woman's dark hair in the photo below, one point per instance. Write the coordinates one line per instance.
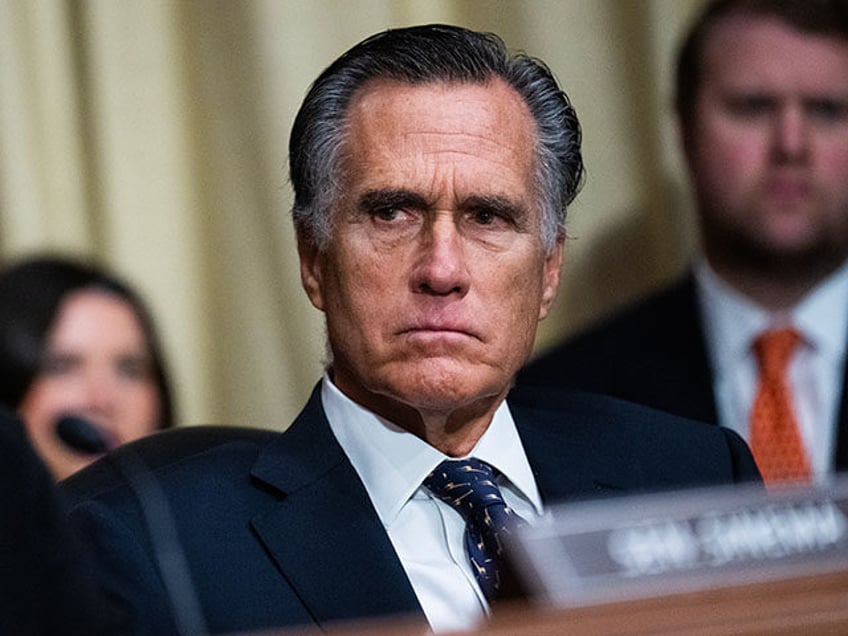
(31, 294)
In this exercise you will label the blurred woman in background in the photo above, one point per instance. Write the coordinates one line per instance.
(77, 341)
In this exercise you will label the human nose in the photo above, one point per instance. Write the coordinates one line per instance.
(791, 134)
(100, 392)
(440, 268)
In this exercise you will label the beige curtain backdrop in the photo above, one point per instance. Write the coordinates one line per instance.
(152, 135)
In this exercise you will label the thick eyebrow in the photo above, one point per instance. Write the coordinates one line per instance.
(392, 198)
(401, 198)
(839, 101)
(742, 94)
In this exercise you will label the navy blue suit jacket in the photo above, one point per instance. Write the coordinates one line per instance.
(278, 530)
(652, 353)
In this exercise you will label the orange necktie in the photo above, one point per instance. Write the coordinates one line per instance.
(775, 438)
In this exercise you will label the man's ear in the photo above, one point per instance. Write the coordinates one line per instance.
(310, 270)
(550, 276)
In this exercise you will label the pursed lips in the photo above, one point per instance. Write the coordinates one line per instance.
(440, 328)
(788, 186)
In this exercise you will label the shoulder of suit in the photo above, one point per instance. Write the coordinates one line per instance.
(210, 448)
(566, 408)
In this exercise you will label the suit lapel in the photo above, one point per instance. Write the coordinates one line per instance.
(325, 537)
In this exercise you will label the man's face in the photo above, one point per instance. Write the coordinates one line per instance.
(435, 276)
(768, 149)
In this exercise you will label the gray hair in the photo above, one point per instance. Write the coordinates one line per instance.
(421, 55)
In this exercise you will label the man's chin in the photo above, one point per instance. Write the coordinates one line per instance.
(446, 391)
(801, 259)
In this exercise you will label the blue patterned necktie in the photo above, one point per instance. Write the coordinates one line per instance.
(468, 485)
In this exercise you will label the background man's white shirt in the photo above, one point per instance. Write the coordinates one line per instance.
(732, 322)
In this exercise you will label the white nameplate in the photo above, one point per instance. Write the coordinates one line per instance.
(652, 545)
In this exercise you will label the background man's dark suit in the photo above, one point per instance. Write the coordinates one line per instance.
(652, 353)
(304, 544)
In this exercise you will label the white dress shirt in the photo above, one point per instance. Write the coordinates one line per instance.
(731, 324)
(427, 533)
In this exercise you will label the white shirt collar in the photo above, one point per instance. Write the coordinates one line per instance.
(392, 463)
(731, 320)
(821, 316)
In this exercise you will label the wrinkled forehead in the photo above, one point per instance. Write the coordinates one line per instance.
(436, 138)
(459, 101)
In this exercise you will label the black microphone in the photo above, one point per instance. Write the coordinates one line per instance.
(81, 435)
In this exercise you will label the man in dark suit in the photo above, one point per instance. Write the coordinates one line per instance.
(431, 171)
(762, 105)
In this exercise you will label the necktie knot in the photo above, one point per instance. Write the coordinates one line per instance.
(774, 350)
(469, 486)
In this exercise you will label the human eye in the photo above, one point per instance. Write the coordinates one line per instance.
(391, 207)
(388, 214)
(494, 213)
(750, 106)
(133, 367)
(828, 111)
(493, 222)
(487, 220)
(492, 216)
(58, 364)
